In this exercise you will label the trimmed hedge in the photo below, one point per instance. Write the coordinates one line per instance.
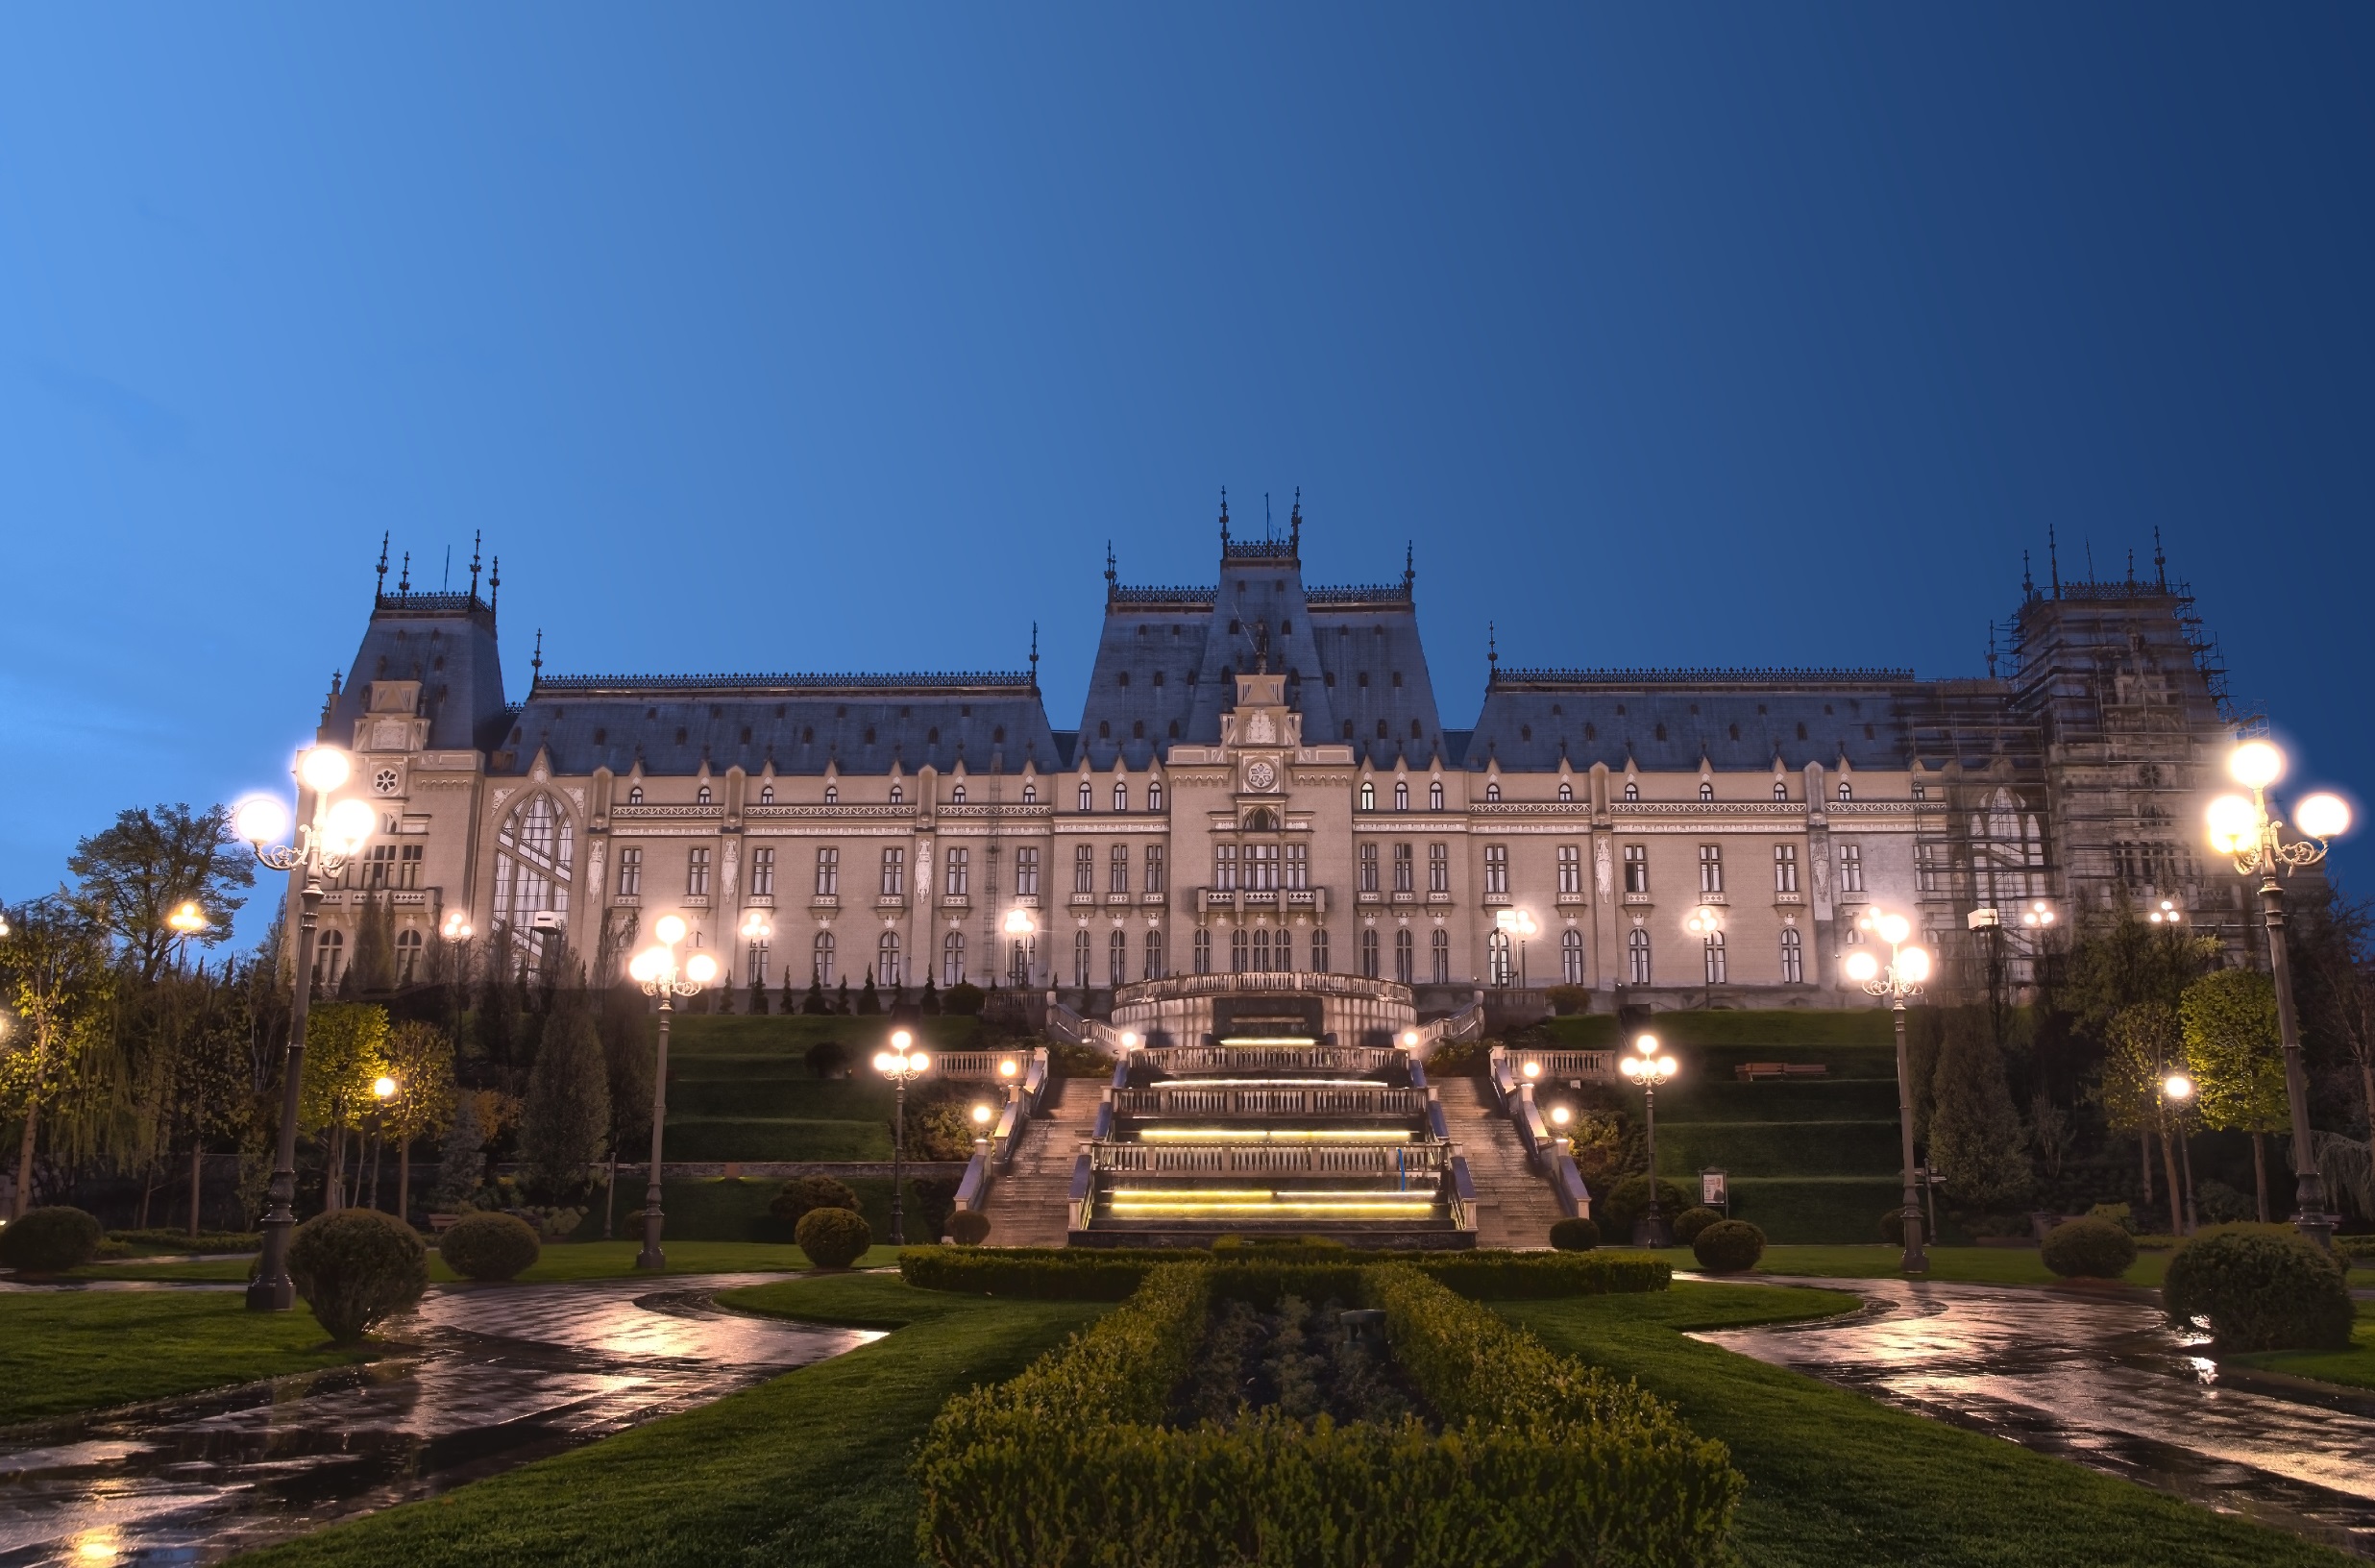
(1729, 1246)
(1541, 1459)
(968, 1227)
(833, 1238)
(50, 1240)
(1112, 1274)
(2256, 1290)
(2089, 1249)
(1691, 1221)
(489, 1246)
(1574, 1233)
(1629, 1198)
(355, 1267)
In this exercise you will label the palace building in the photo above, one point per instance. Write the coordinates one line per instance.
(1261, 780)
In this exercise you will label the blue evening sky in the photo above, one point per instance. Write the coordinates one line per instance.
(779, 337)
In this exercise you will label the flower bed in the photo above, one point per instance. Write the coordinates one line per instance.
(1112, 1274)
(1521, 1456)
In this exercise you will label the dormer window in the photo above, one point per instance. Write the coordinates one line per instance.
(1434, 795)
(832, 794)
(1122, 796)
(634, 795)
(1566, 793)
(1847, 790)
(1707, 791)
(898, 796)
(1369, 795)
(1087, 801)
(1492, 792)
(956, 796)
(1781, 791)
(767, 795)
(1402, 794)
(700, 796)
(1633, 790)
(1029, 794)
(1154, 794)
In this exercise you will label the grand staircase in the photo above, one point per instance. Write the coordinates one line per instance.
(1514, 1204)
(1027, 1205)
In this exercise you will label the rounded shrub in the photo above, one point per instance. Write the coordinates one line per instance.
(1892, 1225)
(2089, 1249)
(1729, 1246)
(2254, 1290)
(1691, 1221)
(50, 1240)
(1629, 1198)
(489, 1246)
(1575, 1234)
(968, 1227)
(802, 1194)
(356, 1267)
(833, 1238)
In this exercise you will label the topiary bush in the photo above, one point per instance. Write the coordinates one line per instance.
(1575, 1234)
(2258, 1291)
(968, 1227)
(833, 1238)
(1691, 1221)
(50, 1240)
(1625, 1202)
(1729, 1246)
(486, 1246)
(828, 1059)
(2355, 1251)
(2089, 1249)
(355, 1268)
(802, 1194)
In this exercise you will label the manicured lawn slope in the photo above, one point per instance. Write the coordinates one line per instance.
(2355, 1366)
(807, 1470)
(85, 1350)
(1836, 1479)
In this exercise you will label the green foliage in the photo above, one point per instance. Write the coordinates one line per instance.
(56, 977)
(460, 1159)
(803, 1193)
(1112, 1274)
(1729, 1246)
(2089, 1249)
(487, 1246)
(420, 1058)
(2356, 1251)
(2125, 963)
(964, 999)
(566, 1120)
(132, 874)
(2255, 1289)
(182, 1242)
(1975, 1136)
(1623, 1203)
(1574, 1233)
(2117, 1213)
(2144, 1040)
(870, 1000)
(50, 1240)
(1691, 1221)
(2234, 1052)
(833, 1238)
(355, 1267)
(968, 1227)
(828, 1059)
(346, 1050)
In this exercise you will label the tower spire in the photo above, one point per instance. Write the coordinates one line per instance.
(2160, 561)
(380, 592)
(404, 584)
(1109, 569)
(1035, 655)
(2054, 560)
(494, 582)
(1294, 525)
(2028, 584)
(1492, 651)
(1224, 520)
(473, 563)
(535, 660)
(1409, 570)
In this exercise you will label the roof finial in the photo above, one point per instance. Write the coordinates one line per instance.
(2131, 566)
(2160, 561)
(1991, 650)
(1224, 520)
(1109, 566)
(380, 592)
(1492, 648)
(474, 564)
(1035, 655)
(494, 583)
(1294, 525)
(1409, 569)
(535, 660)
(2028, 585)
(2054, 560)
(404, 584)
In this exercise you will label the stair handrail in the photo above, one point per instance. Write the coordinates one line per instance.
(1465, 1021)
(1082, 1196)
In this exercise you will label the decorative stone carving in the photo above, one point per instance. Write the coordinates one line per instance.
(1601, 870)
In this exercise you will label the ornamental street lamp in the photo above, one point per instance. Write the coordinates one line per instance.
(656, 970)
(1518, 924)
(1908, 967)
(1019, 929)
(2249, 832)
(1647, 1069)
(320, 850)
(1707, 923)
(186, 922)
(382, 1090)
(2177, 1090)
(1560, 1115)
(900, 1064)
(2168, 914)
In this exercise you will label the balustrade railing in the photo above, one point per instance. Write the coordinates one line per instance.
(1191, 1099)
(1184, 1058)
(1370, 1160)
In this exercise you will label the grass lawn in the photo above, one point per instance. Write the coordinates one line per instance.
(85, 1350)
(1975, 1265)
(1835, 1477)
(2355, 1366)
(561, 1260)
(808, 1469)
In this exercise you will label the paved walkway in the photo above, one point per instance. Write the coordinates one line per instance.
(505, 1374)
(2099, 1380)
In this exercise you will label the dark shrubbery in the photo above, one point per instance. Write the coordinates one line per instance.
(1729, 1246)
(1691, 1221)
(802, 1194)
(356, 1267)
(1574, 1234)
(2355, 1251)
(964, 999)
(50, 1240)
(1624, 1203)
(2256, 1290)
(968, 1227)
(485, 1246)
(833, 1238)
(1112, 1274)
(183, 1241)
(828, 1059)
(2092, 1249)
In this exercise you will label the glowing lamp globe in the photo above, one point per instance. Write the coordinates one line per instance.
(1409, 1039)
(2234, 822)
(1533, 1070)
(700, 969)
(1560, 1115)
(1665, 1066)
(670, 929)
(917, 1061)
(350, 823)
(1129, 1039)
(383, 1088)
(1006, 1067)
(2255, 765)
(900, 1040)
(1913, 965)
(1631, 1067)
(323, 767)
(2177, 1087)
(1862, 967)
(645, 967)
(2323, 815)
(1018, 922)
(981, 1116)
(1893, 928)
(260, 819)
(1646, 1044)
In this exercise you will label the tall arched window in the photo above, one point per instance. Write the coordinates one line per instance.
(887, 959)
(408, 957)
(952, 958)
(1236, 950)
(1202, 957)
(1793, 957)
(1121, 796)
(1402, 794)
(1080, 958)
(328, 958)
(1021, 955)
(1637, 956)
(1117, 959)
(1154, 955)
(1713, 945)
(1369, 795)
(1442, 946)
(1571, 957)
(1847, 790)
(1434, 795)
(1781, 791)
(535, 850)
(1404, 961)
(1154, 794)
(1319, 950)
(1501, 960)
(1086, 802)
(820, 959)
(1261, 948)
(1368, 952)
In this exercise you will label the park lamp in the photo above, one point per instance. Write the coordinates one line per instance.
(1018, 923)
(455, 928)
(757, 928)
(1647, 1065)
(982, 1115)
(1009, 1068)
(2168, 914)
(2245, 830)
(2037, 915)
(900, 1062)
(2177, 1087)
(1518, 922)
(1409, 1039)
(187, 920)
(1130, 1039)
(383, 1088)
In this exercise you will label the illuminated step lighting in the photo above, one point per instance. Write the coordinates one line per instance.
(1274, 1134)
(1341, 1207)
(1365, 1194)
(1268, 1039)
(1194, 1081)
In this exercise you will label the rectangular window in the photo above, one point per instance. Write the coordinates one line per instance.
(1439, 867)
(1319, 950)
(410, 876)
(894, 873)
(630, 871)
(1224, 867)
(957, 872)
(1154, 879)
(1120, 881)
(1403, 868)
(1298, 866)
(1785, 868)
(383, 856)
(1637, 872)
(1084, 868)
(1368, 868)
(763, 873)
(1570, 868)
(1850, 868)
(828, 873)
(1496, 868)
(1710, 867)
(696, 872)
(1262, 868)
(1026, 871)
(758, 962)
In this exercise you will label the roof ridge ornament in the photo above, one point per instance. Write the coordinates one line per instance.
(475, 537)
(404, 583)
(1294, 524)
(380, 592)
(1224, 520)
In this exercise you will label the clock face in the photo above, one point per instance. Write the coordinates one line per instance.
(1260, 776)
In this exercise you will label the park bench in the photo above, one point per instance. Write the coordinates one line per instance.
(1748, 1071)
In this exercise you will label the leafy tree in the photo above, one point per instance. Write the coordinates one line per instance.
(420, 1058)
(460, 1158)
(374, 969)
(58, 983)
(1976, 1136)
(2332, 942)
(565, 1123)
(132, 875)
(204, 1026)
(2236, 1055)
(2147, 1039)
(346, 1052)
(2123, 962)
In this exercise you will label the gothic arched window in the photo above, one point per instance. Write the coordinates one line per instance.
(1154, 794)
(1566, 792)
(832, 794)
(887, 959)
(634, 795)
(1369, 795)
(1637, 955)
(1087, 803)
(952, 958)
(1121, 796)
(700, 796)
(1029, 794)
(1442, 949)
(898, 796)
(1633, 790)
(1434, 795)
(1571, 957)
(1492, 792)
(1707, 791)
(956, 796)
(821, 963)
(1402, 794)
(767, 795)
(535, 851)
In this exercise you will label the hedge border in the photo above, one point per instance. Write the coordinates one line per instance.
(1113, 1274)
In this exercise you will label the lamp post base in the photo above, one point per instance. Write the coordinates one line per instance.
(272, 1295)
(1651, 1230)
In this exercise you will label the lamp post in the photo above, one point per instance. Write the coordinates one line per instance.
(2249, 832)
(1518, 924)
(1647, 1069)
(1707, 923)
(1908, 967)
(1560, 1115)
(318, 850)
(656, 970)
(1019, 929)
(900, 1064)
(2178, 1088)
(756, 928)
(186, 922)
(382, 1090)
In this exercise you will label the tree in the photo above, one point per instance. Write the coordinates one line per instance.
(373, 969)
(2146, 1039)
(59, 983)
(2333, 948)
(870, 1000)
(132, 875)
(207, 1067)
(1976, 1136)
(2236, 1055)
(2119, 963)
(758, 1007)
(420, 1058)
(346, 1052)
(628, 1053)
(813, 1003)
(460, 1158)
(564, 1126)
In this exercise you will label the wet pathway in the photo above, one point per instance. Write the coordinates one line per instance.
(2099, 1380)
(504, 1374)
